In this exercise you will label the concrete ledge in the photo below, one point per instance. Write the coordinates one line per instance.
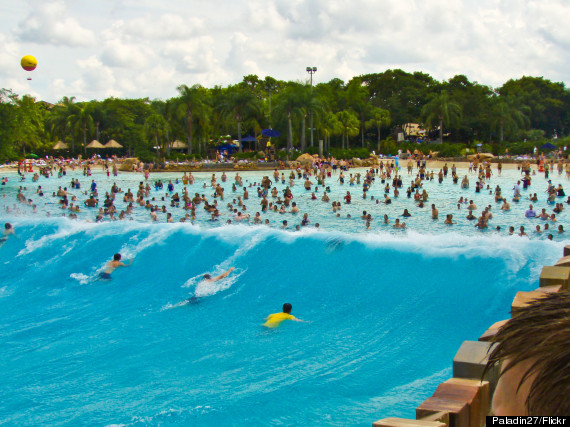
(555, 276)
(522, 299)
(474, 392)
(563, 262)
(552, 289)
(458, 411)
(402, 422)
(470, 360)
(490, 333)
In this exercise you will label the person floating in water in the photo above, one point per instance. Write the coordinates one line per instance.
(275, 319)
(112, 266)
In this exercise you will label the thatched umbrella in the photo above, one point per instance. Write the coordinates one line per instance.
(112, 144)
(177, 145)
(94, 144)
(60, 145)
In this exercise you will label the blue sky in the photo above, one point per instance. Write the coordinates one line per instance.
(138, 48)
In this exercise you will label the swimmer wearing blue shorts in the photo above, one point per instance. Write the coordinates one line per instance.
(112, 266)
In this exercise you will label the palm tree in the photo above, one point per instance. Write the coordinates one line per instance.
(349, 124)
(380, 118)
(167, 109)
(30, 122)
(329, 125)
(82, 120)
(59, 119)
(509, 114)
(287, 105)
(357, 99)
(191, 102)
(156, 128)
(442, 108)
(240, 104)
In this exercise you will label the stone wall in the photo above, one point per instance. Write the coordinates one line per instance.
(465, 400)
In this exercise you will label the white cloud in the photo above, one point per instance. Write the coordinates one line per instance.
(139, 48)
(164, 27)
(50, 23)
(195, 55)
(133, 56)
(95, 77)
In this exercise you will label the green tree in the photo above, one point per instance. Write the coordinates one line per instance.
(191, 103)
(442, 109)
(156, 130)
(549, 102)
(509, 114)
(287, 105)
(329, 126)
(29, 123)
(83, 121)
(357, 99)
(240, 104)
(349, 125)
(380, 118)
(59, 121)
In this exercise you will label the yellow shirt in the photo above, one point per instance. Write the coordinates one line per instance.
(275, 319)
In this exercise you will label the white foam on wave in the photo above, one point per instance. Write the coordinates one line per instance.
(66, 229)
(157, 236)
(83, 279)
(515, 250)
(205, 288)
(168, 416)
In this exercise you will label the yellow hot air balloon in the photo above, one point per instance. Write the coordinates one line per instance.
(29, 63)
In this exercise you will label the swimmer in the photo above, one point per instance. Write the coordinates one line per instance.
(209, 278)
(8, 230)
(275, 319)
(112, 266)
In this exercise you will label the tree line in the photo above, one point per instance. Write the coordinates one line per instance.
(360, 113)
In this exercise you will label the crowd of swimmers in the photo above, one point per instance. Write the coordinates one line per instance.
(83, 196)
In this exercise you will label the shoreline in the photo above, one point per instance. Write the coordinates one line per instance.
(231, 167)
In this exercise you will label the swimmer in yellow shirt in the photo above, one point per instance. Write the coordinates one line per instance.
(275, 319)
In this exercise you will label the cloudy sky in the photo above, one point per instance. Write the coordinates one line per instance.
(93, 49)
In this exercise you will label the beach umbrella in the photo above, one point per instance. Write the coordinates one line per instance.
(60, 146)
(548, 146)
(94, 144)
(229, 148)
(112, 144)
(177, 145)
(33, 156)
(249, 139)
(270, 132)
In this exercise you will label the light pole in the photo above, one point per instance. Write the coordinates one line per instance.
(311, 71)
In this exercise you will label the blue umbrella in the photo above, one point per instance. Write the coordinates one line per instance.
(249, 139)
(270, 132)
(548, 146)
(230, 148)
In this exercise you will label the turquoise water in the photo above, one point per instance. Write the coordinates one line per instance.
(387, 312)
(445, 196)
